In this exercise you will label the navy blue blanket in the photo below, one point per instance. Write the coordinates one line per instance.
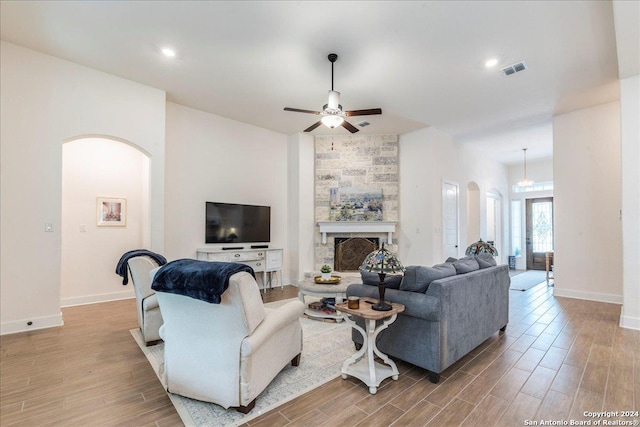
(121, 267)
(203, 280)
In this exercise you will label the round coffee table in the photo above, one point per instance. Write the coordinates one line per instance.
(308, 287)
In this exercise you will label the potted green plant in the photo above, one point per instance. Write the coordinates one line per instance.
(326, 272)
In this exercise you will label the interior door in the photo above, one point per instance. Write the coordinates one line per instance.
(450, 219)
(539, 231)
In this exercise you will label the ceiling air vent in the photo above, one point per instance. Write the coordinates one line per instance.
(363, 124)
(514, 68)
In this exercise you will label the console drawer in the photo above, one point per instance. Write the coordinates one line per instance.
(212, 257)
(245, 256)
(257, 265)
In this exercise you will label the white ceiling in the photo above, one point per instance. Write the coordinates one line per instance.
(421, 62)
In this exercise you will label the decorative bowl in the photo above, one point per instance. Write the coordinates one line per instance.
(334, 280)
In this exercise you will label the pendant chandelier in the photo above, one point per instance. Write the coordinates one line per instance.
(524, 182)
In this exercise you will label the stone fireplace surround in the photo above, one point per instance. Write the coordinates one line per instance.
(369, 161)
(382, 231)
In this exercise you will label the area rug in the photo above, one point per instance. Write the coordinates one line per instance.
(527, 280)
(325, 347)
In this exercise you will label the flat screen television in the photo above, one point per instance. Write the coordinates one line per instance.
(235, 223)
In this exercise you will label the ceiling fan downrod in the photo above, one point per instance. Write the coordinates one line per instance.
(333, 103)
(333, 58)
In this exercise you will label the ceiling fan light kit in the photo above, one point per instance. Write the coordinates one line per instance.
(332, 121)
(332, 113)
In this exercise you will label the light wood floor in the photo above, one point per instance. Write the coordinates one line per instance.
(559, 358)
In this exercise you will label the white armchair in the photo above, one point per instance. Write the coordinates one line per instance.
(149, 316)
(228, 353)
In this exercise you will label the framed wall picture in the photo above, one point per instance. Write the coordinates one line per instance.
(355, 204)
(112, 212)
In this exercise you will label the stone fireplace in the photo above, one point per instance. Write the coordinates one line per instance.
(354, 161)
(351, 251)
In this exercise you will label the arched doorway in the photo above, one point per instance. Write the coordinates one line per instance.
(97, 169)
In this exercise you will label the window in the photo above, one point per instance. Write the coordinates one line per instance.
(538, 186)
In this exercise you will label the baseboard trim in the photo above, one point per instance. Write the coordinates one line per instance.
(629, 322)
(93, 299)
(18, 326)
(591, 296)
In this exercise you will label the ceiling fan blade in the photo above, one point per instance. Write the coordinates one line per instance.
(348, 126)
(313, 126)
(369, 112)
(298, 110)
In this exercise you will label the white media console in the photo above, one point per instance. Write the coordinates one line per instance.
(266, 261)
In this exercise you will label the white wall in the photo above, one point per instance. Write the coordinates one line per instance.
(473, 214)
(301, 205)
(98, 167)
(587, 202)
(491, 177)
(427, 157)
(210, 158)
(630, 136)
(43, 102)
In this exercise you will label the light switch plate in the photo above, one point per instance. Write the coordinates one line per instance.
(48, 227)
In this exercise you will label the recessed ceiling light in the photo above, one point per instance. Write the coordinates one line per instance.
(491, 63)
(170, 53)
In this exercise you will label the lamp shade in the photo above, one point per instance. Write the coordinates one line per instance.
(481, 247)
(382, 261)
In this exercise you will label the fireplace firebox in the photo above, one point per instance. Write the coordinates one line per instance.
(351, 251)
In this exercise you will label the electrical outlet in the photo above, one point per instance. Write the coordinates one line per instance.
(48, 227)
(83, 228)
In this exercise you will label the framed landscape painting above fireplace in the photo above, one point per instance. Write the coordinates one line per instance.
(356, 204)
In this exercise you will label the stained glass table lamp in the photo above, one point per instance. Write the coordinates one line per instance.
(382, 261)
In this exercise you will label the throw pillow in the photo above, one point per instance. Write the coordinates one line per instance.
(391, 281)
(486, 261)
(418, 278)
(450, 259)
(466, 265)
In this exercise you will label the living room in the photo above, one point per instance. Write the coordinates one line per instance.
(196, 156)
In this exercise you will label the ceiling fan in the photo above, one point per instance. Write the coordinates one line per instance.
(332, 114)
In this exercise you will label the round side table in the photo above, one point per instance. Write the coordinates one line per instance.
(363, 364)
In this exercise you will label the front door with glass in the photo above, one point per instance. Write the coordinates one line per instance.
(539, 231)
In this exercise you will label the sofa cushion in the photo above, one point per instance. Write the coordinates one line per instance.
(486, 260)
(451, 259)
(466, 265)
(418, 278)
(391, 281)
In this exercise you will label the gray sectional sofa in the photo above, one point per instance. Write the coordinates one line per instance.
(451, 308)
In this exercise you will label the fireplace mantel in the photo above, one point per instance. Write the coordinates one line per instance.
(388, 227)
